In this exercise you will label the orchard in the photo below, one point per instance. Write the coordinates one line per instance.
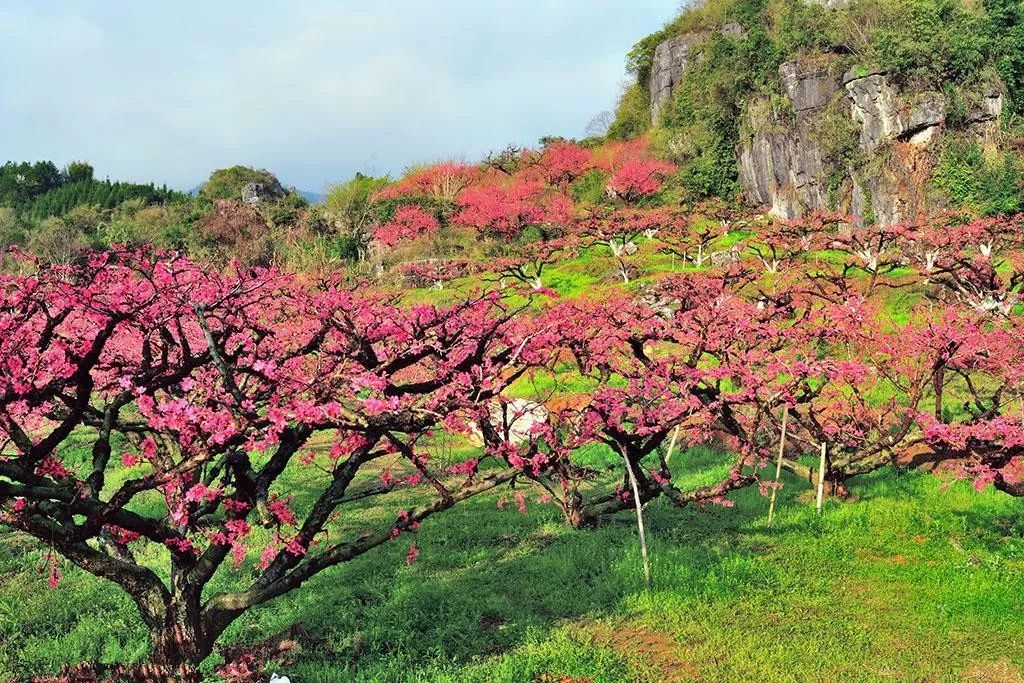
(205, 393)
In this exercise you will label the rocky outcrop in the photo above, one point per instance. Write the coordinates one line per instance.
(254, 194)
(793, 158)
(670, 61)
(672, 57)
(780, 164)
(876, 106)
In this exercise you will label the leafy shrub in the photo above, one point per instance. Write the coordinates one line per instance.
(632, 115)
(989, 186)
(589, 188)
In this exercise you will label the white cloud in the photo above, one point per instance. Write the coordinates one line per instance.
(314, 92)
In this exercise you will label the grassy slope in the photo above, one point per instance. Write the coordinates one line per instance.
(916, 580)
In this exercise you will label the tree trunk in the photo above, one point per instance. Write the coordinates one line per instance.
(574, 512)
(178, 649)
(179, 640)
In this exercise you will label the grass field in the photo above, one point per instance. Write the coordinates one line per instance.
(918, 579)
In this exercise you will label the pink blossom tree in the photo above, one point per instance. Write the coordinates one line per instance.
(201, 390)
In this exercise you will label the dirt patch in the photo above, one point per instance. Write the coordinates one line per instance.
(651, 649)
(491, 622)
(1000, 671)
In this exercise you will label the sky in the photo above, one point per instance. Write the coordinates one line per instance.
(312, 90)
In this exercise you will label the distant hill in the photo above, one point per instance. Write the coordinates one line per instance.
(312, 197)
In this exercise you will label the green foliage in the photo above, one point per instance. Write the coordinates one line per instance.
(104, 194)
(351, 207)
(632, 114)
(284, 211)
(134, 223)
(1007, 20)
(933, 40)
(988, 185)
(590, 187)
(20, 183)
(227, 183)
(78, 171)
(12, 231)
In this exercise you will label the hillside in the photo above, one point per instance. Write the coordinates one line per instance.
(883, 109)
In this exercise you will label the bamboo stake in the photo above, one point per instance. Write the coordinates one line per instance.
(778, 464)
(672, 444)
(821, 477)
(639, 521)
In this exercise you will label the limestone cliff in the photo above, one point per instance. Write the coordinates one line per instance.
(833, 134)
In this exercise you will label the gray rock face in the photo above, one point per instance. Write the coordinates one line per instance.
(734, 29)
(781, 165)
(670, 61)
(253, 194)
(875, 105)
(780, 161)
(808, 85)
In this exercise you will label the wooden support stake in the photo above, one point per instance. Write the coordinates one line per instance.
(778, 464)
(821, 477)
(639, 521)
(672, 444)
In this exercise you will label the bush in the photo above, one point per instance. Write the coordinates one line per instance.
(632, 115)
(989, 186)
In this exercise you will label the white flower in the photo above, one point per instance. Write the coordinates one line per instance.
(274, 678)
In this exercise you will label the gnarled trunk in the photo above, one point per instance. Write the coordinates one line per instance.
(180, 638)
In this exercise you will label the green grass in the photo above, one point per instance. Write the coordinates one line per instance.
(917, 579)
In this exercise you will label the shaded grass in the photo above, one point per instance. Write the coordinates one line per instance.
(919, 579)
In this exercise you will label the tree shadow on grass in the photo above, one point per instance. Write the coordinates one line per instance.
(489, 580)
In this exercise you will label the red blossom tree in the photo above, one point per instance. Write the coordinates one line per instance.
(636, 179)
(562, 162)
(506, 210)
(408, 223)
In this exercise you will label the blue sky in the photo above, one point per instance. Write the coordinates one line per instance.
(313, 90)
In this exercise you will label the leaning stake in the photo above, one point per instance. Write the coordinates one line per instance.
(778, 464)
(639, 521)
(821, 477)
(672, 444)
